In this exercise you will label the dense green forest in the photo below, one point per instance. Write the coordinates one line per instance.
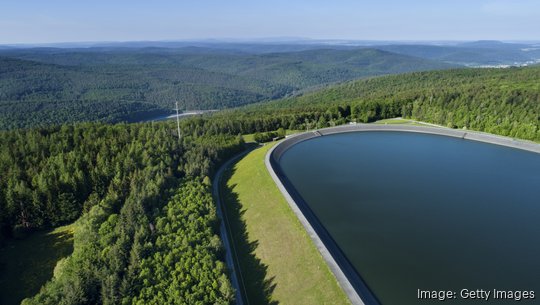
(146, 225)
(38, 94)
(499, 101)
(147, 229)
(40, 87)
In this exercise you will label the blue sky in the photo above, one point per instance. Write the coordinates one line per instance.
(43, 21)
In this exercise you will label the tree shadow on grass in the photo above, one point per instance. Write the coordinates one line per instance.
(257, 288)
(28, 263)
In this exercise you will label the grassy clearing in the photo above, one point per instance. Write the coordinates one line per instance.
(399, 121)
(402, 121)
(394, 121)
(26, 264)
(249, 137)
(278, 261)
(292, 131)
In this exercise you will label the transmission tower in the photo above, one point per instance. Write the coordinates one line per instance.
(178, 121)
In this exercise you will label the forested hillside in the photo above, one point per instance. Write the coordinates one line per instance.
(148, 229)
(500, 101)
(40, 87)
(478, 53)
(38, 94)
(146, 225)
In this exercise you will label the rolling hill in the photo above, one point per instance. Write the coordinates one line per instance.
(46, 86)
(500, 101)
(477, 53)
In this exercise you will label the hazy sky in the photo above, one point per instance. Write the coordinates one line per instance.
(41, 21)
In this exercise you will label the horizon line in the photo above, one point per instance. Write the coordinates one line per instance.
(270, 40)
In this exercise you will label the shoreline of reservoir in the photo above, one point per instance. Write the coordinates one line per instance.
(346, 275)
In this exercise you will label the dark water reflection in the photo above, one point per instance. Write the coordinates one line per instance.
(416, 211)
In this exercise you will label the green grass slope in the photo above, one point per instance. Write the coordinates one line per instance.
(278, 261)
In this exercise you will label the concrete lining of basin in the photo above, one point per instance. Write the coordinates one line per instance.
(348, 279)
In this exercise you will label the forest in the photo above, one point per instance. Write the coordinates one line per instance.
(500, 101)
(147, 229)
(45, 86)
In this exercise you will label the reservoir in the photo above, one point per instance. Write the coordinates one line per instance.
(421, 211)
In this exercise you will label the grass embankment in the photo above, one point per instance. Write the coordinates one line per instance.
(402, 121)
(26, 264)
(278, 261)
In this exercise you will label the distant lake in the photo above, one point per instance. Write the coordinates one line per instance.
(186, 113)
(418, 211)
